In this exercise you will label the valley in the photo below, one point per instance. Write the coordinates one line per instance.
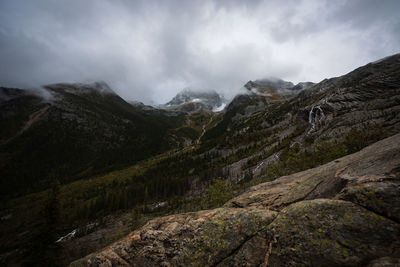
(87, 162)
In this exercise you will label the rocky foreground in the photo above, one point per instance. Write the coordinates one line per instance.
(344, 213)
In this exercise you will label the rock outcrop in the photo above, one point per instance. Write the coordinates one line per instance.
(344, 213)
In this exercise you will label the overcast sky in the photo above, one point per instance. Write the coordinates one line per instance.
(150, 50)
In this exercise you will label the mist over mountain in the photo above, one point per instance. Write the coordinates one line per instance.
(200, 133)
(81, 167)
(193, 100)
(150, 51)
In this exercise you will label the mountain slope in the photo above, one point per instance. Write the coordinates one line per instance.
(79, 131)
(353, 110)
(320, 217)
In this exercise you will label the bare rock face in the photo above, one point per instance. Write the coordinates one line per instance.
(344, 213)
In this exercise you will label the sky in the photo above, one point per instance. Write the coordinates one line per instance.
(150, 50)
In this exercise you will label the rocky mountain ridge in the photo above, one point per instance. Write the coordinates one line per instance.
(189, 100)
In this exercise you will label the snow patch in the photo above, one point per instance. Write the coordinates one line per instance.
(258, 166)
(68, 236)
(73, 233)
(160, 204)
(196, 100)
(219, 108)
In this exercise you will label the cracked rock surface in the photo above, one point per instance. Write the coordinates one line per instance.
(343, 213)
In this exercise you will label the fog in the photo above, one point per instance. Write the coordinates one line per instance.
(150, 50)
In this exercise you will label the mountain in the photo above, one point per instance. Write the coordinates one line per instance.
(343, 213)
(252, 143)
(77, 131)
(290, 147)
(365, 100)
(190, 101)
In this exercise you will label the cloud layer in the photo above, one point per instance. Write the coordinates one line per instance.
(150, 50)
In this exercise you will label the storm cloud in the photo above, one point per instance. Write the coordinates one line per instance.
(150, 50)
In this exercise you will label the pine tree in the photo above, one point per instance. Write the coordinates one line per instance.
(43, 248)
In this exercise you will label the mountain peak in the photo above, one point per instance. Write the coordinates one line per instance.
(190, 100)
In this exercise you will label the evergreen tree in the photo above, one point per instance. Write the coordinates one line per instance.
(43, 248)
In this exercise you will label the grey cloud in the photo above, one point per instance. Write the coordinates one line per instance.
(149, 50)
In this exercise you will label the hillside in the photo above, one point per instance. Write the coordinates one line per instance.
(338, 115)
(343, 213)
(77, 131)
